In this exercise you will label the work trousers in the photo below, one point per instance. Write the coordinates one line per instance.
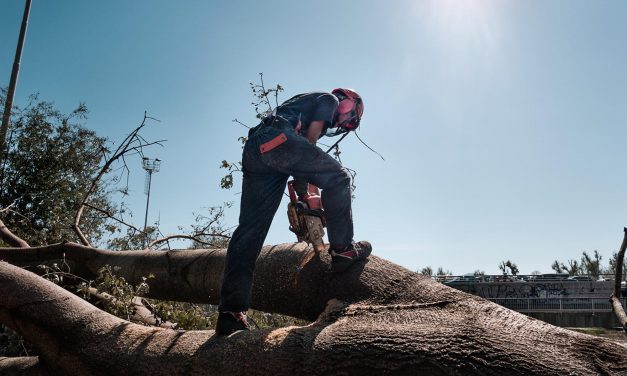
(265, 178)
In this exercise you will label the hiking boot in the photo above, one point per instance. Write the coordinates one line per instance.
(342, 259)
(231, 322)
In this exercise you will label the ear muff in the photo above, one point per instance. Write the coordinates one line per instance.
(345, 106)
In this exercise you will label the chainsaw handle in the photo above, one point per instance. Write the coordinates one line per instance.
(292, 192)
(312, 199)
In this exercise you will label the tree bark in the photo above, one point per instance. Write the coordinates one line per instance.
(617, 307)
(22, 366)
(140, 313)
(379, 319)
(10, 238)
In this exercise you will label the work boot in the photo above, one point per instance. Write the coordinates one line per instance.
(342, 259)
(231, 322)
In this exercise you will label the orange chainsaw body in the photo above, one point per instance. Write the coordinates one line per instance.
(306, 216)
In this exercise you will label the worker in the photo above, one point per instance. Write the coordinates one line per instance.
(284, 145)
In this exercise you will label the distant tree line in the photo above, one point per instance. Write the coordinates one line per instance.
(589, 264)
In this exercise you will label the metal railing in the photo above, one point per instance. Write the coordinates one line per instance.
(563, 304)
(552, 277)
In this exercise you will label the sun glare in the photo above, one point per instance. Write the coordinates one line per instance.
(463, 20)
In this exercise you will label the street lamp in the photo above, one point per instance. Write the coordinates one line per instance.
(150, 165)
(6, 115)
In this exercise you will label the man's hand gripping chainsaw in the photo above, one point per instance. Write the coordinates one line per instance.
(306, 216)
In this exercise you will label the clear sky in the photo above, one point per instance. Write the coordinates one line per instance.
(503, 123)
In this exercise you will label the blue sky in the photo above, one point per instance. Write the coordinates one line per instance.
(503, 123)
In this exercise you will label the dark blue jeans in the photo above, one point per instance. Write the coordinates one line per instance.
(265, 177)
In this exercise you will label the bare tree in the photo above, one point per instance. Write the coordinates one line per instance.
(513, 268)
(573, 268)
(133, 144)
(557, 266)
(479, 273)
(591, 265)
(427, 270)
(442, 272)
(508, 265)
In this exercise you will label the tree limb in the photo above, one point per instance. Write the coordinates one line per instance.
(109, 215)
(141, 313)
(195, 237)
(10, 238)
(139, 147)
(617, 307)
(22, 366)
(7, 208)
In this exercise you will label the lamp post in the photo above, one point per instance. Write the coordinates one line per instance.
(6, 115)
(151, 166)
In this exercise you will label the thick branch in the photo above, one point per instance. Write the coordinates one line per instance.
(141, 314)
(10, 238)
(22, 366)
(196, 275)
(618, 309)
(618, 277)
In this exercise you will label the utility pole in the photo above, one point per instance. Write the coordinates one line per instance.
(150, 165)
(6, 116)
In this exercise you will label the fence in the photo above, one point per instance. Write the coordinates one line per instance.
(562, 304)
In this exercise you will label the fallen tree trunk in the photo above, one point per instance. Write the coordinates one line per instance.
(379, 319)
(281, 283)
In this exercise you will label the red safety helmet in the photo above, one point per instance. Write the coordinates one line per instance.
(350, 102)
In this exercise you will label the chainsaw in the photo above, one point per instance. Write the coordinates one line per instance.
(306, 216)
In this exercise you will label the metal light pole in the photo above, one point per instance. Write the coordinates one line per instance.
(150, 165)
(6, 115)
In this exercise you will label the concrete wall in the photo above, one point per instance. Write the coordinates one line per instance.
(577, 319)
(551, 289)
(548, 289)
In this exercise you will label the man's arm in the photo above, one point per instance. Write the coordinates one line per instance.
(314, 130)
(313, 134)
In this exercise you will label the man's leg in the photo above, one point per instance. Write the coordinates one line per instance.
(299, 158)
(320, 169)
(261, 196)
(262, 190)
